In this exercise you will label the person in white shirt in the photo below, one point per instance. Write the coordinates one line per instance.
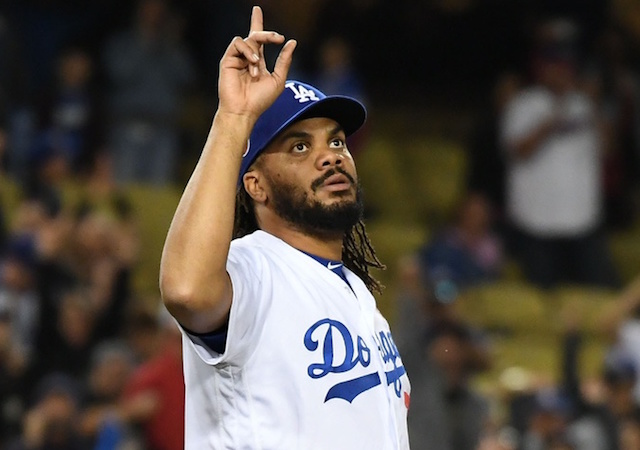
(266, 268)
(554, 149)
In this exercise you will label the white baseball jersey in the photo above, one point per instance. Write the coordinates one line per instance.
(309, 362)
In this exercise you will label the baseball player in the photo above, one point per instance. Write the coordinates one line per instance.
(283, 345)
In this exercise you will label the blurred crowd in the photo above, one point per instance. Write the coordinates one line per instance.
(96, 97)
(554, 172)
(83, 363)
(445, 351)
(91, 101)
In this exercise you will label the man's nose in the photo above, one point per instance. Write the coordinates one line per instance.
(329, 157)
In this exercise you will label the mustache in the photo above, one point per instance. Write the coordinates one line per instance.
(320, 181)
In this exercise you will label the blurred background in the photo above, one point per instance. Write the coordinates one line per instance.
(500, 165)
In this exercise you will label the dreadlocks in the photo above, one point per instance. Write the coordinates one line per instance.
(245, 219)
(358, 254)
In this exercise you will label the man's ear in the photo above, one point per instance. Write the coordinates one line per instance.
(253, 184)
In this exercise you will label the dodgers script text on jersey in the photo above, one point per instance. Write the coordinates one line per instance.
(337, 340)
(304, 349)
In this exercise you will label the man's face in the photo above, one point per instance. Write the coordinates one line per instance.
(557, 75)
(310, 178)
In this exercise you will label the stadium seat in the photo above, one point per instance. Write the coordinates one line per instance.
(625, 249)
(586, 306)
(387, 193)
(542, 355)
(9, 196)
(436, 170)
(153, 208)
(508, 307)
(392, 240)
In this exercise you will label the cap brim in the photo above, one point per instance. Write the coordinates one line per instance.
(348, 112)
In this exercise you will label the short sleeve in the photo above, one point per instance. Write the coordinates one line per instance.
(250, 278)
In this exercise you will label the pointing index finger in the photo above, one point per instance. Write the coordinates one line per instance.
(256, 19)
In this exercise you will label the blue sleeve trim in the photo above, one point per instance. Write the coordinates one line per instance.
(215, 340)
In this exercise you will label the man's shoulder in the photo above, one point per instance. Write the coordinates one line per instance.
(255, 241)
(258, 246)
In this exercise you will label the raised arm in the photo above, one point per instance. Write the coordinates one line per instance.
(194, 283)
(527, 145)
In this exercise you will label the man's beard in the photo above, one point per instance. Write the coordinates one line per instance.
(312, 217)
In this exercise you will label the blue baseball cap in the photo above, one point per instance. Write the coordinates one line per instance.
(300, 101)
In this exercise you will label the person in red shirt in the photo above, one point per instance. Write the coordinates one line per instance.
(154, 396)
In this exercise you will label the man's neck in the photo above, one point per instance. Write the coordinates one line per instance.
(326, 244)
(329, 247)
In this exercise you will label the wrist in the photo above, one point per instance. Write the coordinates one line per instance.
(235, 121)
(230, 131)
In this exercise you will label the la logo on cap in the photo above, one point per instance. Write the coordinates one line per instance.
(301, 93)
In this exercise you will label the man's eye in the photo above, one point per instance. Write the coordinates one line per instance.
(338, 143)
(300, 147)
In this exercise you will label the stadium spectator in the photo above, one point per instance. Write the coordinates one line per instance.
(596, 414)
(102, 261)
(70, 111)
(547, 427)
(630, 433)
(102, 424)
(51, 422)
(622, 327)
(20, 316)
(447, 413)
(154, 396)
(468, 251)
(68, 348)
(148, 68)
(94, 253)
(48, 170)
(13, 385)
(19, 297)
(594, 421)
(442, 352)
(552, 138)
(142, 333)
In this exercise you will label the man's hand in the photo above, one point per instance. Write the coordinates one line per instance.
(246, 87)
